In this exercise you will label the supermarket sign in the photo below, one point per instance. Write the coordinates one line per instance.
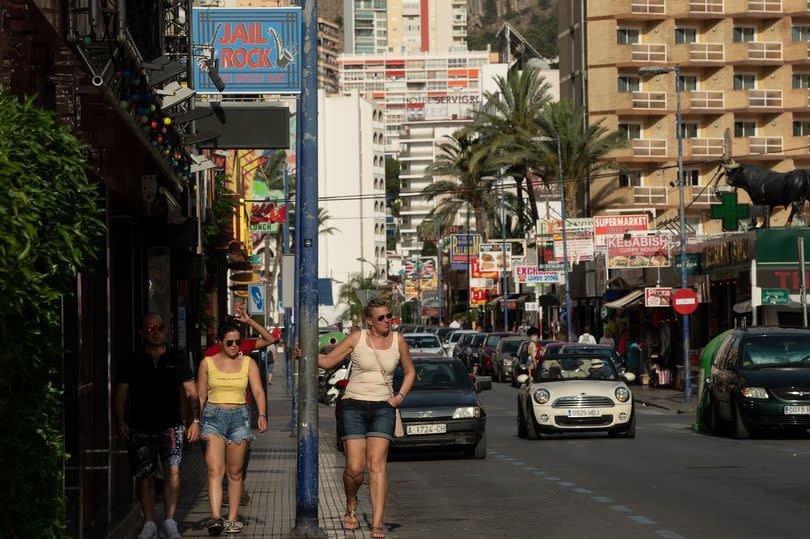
(617, 225)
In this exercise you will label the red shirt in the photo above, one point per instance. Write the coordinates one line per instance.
(247, 346)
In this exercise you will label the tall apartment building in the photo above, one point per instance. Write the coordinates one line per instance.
(405, 26)
(329, 48)
(351, 186)
(745, 66)
(425, 86)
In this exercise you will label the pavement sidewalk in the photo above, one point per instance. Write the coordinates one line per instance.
(271, 479)
(671, 400)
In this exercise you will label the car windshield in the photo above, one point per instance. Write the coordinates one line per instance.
(422, 341)
(765, 350)
(510, 347)
(575, 368)
(442, 333)
(492, 340)
(552, 350)
(436, 375)
(477, 340)
(456, 336)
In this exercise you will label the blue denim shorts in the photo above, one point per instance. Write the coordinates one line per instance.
(232, 424)
(361, 419)
(145, 447)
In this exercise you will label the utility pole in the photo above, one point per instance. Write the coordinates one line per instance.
(306, 508)
(288, 346)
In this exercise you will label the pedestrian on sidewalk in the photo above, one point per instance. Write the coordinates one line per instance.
(246, 347)
(368, 409)
(586, 337)
(534, 351)
(222, 382)
(153, 380)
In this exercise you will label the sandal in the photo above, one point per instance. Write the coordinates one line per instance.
(234, 526)
(215, 526)
(378, 533)
(350, 521)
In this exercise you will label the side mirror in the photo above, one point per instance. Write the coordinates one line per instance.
(522, 379)
(483, 383)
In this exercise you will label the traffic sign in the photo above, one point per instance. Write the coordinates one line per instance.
(685, 301)
(256, 298)
(531, 306)
(774, 296)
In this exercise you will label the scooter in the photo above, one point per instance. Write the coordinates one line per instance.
(334, 385)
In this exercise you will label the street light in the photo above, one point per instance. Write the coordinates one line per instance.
(660, 70)
(504, 266)
(376, 270)
(564, 235)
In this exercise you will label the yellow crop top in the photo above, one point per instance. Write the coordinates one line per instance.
(227, 387)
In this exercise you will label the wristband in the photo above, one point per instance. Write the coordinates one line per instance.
(400, 394)
(195, 420)
(262, 415)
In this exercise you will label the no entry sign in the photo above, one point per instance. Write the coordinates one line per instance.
(685, 301)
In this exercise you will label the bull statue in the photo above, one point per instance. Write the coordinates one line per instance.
(766, 187)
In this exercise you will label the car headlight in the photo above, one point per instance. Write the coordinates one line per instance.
(622, 394)
(541, 396)
(467, 412)
(755, 392)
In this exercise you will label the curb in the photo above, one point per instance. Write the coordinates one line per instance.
(673, 411)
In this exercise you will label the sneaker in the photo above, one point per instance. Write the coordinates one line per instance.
(234, 526)
(170, 529)
(215, 526)
(149, 531)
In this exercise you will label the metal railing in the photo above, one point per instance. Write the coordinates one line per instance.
(758, 99)
(706, 198)
(649, 52)
(765, 145)
(650, 100)
(765, 50)
(648, 7)
(653, 196)
(707, 52)
(707, 147)
(701, 99)
(649, 147)
(706, 6)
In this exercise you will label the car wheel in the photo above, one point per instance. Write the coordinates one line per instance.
(741, 431)
(521, 422)
(711, 418)
(480, 449)
(531, 431)
(629, 432)
(496, 374)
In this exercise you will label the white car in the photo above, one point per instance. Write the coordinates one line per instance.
(425, 343)
(452, 339)
(575, 393)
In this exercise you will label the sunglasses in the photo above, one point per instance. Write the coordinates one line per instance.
(232, 342)
(153, 327)
(384, 316)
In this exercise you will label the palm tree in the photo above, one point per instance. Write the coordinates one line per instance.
(347, 295)
(466, 183)
(510, 126)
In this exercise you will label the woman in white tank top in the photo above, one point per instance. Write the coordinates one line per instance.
(368, 408)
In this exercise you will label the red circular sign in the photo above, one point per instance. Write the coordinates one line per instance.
(685, 301)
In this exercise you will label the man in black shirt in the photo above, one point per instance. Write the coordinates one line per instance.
(153, 379)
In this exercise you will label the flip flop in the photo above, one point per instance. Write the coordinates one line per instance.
(378, 533)
(350, 525)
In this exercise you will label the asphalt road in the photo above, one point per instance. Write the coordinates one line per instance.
(667, 482)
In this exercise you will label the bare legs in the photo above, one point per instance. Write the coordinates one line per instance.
(234, 458)
(371, 454)
(146, 496)
(218, 456)
(171, 490)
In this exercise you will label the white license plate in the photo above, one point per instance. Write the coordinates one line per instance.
(439, 428)
(584, 412)
(797, 410)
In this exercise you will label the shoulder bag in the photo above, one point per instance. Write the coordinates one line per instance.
(399, 430)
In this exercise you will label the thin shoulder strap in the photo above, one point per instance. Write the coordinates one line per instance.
(382, 369)
(246, 364)
(210, 362)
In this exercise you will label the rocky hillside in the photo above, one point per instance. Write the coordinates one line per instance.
(331, 10)
(536, 20)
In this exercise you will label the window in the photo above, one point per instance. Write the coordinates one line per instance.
(801, 80)
(800, 33)
(685, 35)
(692, 177)
(801, 128)
(628, 83)
(744, 81)
(689, 129)
(745, 128)
(688, 83)
(627, 36)
(744, 34)
(630, 179)
(630, 131)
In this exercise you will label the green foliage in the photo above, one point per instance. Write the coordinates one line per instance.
(542, 33)
(392, 182)
(50, 227)
(347, 295)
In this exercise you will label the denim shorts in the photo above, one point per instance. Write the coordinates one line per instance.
(144, 448)
(232, 424)
(361, 419)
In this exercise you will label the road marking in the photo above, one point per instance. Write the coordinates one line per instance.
(667, 534)
(552, 478)
(566, 484)
(580, 490)
(603, 499)
(621, 508)
(638, 519)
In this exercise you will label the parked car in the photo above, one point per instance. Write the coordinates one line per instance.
(521, 364)
(760, 380)
(553, 348)
(575, 393)
(472, 354)
(488, 350)
(426, 343)
(406, 329)
(443, 334)
(504, 356)
(454, 338)
(442, 409)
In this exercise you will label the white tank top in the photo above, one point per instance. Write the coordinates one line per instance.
(366, 381)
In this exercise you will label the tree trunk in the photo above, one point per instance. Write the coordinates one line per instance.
(532, 198)
(481, 223)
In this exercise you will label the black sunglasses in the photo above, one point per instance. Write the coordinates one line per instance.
(231, 342)
(384, 316)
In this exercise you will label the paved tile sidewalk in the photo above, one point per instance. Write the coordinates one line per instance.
(671, 400)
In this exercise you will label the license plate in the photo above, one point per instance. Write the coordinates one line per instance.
(797, 410)
(584, 412)
(439, 428)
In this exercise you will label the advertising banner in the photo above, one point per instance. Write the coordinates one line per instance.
(638, 252)
(462, 248)
(419, 276)
(491, 258)
(533, 275)
(477, 273)
(657, 297)
(578, 241)
(618, 225)
(254, 51)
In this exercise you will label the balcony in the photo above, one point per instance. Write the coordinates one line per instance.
(706, 100)
(650, 101)
(765, 6)
(707, 52)
(649, 52)
(648, 7)
(765, 145)
(705, 7)
(704, 147)
(650, 196)
(706, 198)
(759, 51)
(649, 147)
(762, 99)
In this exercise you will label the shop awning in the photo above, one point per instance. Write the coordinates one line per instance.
(626, 301)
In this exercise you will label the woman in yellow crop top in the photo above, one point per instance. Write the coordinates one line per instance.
(222, 383)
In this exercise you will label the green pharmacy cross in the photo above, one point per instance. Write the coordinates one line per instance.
(729, 211)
